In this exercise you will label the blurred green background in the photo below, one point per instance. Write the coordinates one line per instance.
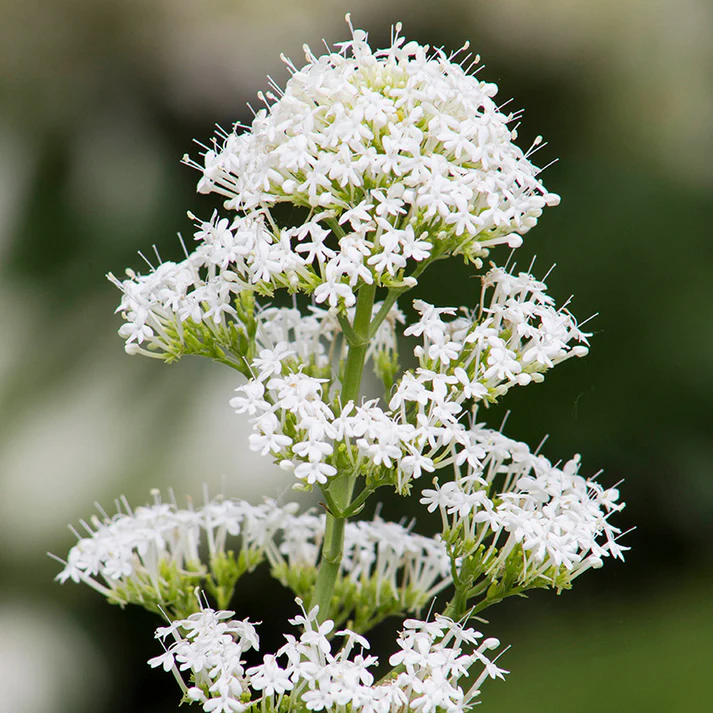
(99, 100)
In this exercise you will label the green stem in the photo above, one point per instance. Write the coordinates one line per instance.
(394, 293)
(357, 350)
(349, 333)
(457, 606)
(341, 488)
(356, 505)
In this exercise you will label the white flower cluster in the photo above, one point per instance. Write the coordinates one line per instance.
(306, 675)
(512, 339)
(133, 554)
(388, 553)
(190, 307)
(315, 339)
(517, 507)
(398, 156)
(211, 646)
(400, 152)
(163, 309)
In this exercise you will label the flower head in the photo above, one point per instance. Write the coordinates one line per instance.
(395, 155)
(153, 555)
(515, 511)
(306, 674)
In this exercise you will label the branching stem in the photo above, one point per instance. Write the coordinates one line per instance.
(341, 488)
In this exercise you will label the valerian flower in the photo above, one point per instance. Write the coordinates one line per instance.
(398, 156)
(209, 647)
(155, 555)
(389, 160)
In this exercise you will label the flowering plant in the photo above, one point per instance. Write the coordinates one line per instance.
(391, 160)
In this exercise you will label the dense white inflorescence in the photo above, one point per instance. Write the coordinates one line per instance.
(315, 338)
(145, 547)
(381, 141)
(136, 542)
(383, 162)
(433, 656)
(513, 338)
(517, 505)
(398, 156)
(385, 568)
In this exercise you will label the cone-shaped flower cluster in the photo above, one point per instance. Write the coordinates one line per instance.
(400, 152)
(387, 161)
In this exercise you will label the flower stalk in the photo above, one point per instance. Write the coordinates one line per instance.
(341, 488)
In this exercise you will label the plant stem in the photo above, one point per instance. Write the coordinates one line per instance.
(394, 293)
(341, 488)
(457, 606)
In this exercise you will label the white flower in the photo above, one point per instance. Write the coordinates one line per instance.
(251, 401)
(512, 498)
(332, 289)
(269, 361)
(305, 673)
(397, 144)
(315, 472)
(269, 677)
(126, 556)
